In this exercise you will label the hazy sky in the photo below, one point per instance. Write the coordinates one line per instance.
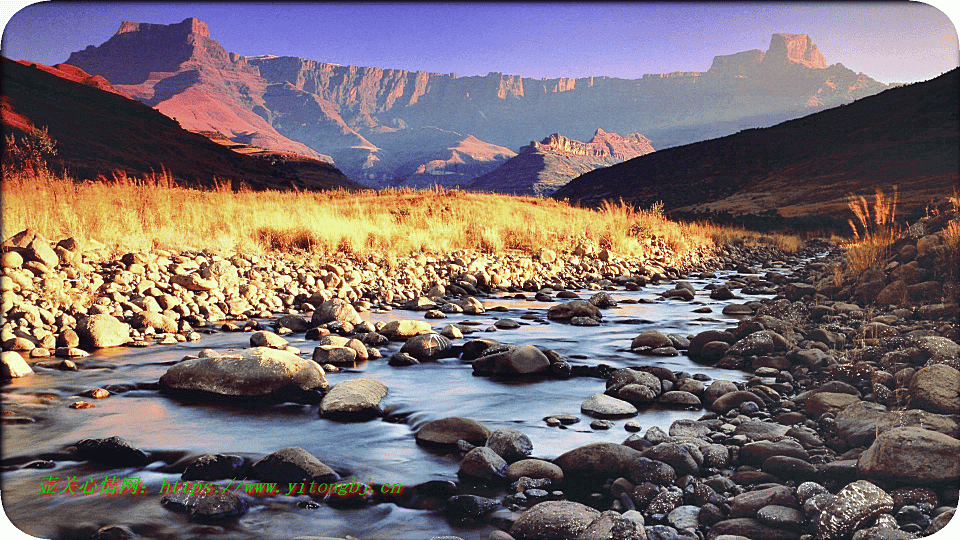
(889, 41)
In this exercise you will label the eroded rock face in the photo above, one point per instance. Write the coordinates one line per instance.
(259, 371)
(853, 506)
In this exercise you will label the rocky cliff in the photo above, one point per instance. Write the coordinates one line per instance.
(541, 168)
(354, 114)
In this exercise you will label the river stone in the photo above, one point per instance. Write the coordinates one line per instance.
(648, 470)
(588, 467)
(911, 455)
(213, 467)
(295, 323)
(936, 389)
(679, 398)
(853, 506)
(716, 390)
(650, 339)
(604, 406)
(637, 394)
(626, 376)
(701, 339)
(335, 309)
(447, 431)
(426, 347)
(13, 366)
(258, 371)
(789, 468)
(749, 528)
(828, 402)
(760, 431)
(611, 525)
(939, 347)
(554, 520)
(510, 444)
(263, 338)
(574, 308)
(755, 453)
(747, 504)
(101, 331)
(525, 360)
(483, 463)
(689, 428)
(158, 321)
(756, 344)
(733, 400)
(334, 354)
(781, 517)
(292, 464)
(535, 468)
(193, 282)
(684, 517)
(859, 424)
(353, 399)
(603, 300)
(678, 456)
(470, 506)
(404, 329)
(112, 451)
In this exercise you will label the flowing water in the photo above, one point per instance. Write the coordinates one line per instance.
(379, 450)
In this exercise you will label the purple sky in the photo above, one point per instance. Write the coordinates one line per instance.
(889, 41)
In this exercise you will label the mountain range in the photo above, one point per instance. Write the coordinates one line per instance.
(98, 132)
(541, 168)
(379, 126)
(906, 137)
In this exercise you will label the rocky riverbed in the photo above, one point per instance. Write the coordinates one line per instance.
(838, 418)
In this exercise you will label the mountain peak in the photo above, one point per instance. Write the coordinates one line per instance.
(796, 48)
(192, 25)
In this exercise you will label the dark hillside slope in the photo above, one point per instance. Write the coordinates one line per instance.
(907, 137)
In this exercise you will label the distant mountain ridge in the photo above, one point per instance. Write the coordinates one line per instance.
(541, 168)
(99, 131)
(369, 119)
(906, 137)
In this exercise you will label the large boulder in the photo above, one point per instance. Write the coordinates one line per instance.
(255, 372)
(588, 467)
(554, 520)
(860, 423)
(101, 331)
(445, 432)
(292, 464)
(574, 308)
(911, 455)
(853, 506)
(335, 309)
(510, 444)
(525, 360)
(404, 329)
(13, 366)
(604, 406)
(937, 389)
(353, 399)
(426, 347)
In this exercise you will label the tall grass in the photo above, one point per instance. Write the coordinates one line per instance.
(126, 214)
(874, 231)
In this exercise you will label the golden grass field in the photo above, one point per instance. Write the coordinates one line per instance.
(128, 214)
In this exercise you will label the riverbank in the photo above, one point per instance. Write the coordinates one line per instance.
(846, 423)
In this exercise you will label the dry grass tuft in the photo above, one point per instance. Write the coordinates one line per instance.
(128, 214)
(874, 231)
